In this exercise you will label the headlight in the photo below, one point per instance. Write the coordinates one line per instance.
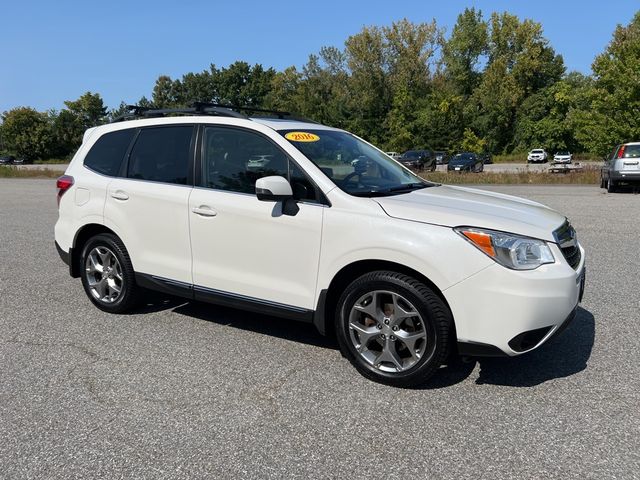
(511, 251)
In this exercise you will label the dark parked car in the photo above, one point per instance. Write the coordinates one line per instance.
(6, 159)
(621, 167)
(418, 159)
(441, 157)
(465, 162)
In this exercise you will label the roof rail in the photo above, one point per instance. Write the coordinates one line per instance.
(278, 113)
(204, 108)
(137, 112)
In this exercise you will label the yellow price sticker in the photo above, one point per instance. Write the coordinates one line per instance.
(302, 137)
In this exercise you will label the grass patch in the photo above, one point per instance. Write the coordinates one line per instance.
(589, 176)
(52, 161)
(13, 172)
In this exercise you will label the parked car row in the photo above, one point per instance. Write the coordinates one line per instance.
(428, 160)
(539, 155)
(11, 160)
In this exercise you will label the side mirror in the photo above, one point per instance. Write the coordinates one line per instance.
(273, 189)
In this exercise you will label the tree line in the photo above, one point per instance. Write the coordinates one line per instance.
(493, 84)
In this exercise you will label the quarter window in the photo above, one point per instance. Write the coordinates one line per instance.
(161, 155)
(107, 153)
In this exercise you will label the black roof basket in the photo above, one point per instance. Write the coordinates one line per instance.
(202, 108)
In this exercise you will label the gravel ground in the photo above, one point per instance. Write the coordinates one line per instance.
(186, 390)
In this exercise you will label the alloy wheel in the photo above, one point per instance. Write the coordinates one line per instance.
(104, 275)
(387, 331)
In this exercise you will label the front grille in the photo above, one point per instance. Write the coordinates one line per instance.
(567, 240)
(572, 255)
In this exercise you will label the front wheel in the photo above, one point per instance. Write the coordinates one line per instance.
(393, 328)
(107, 274)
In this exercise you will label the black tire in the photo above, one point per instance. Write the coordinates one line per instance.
(603, 184)
(436, 322)
(129, 294)
(611, 186)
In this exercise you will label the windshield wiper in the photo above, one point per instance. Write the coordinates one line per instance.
(407, 187)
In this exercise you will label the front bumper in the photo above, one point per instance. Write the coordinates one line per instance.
(501, 311)
(412, 163)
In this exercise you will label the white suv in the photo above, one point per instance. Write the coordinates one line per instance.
(537, 155)
(330, 231)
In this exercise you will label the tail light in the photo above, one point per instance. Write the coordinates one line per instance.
(621, 151)
(63, 184)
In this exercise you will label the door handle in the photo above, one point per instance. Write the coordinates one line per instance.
(204, 211)
(120, 195)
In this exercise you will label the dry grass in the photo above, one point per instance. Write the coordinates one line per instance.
(14, 172)
(585, 177)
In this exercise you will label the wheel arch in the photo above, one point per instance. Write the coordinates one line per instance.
(328, 298)
(82, 235)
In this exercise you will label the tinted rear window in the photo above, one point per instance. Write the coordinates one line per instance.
(107, 153)
(161, 155)
(632, 151)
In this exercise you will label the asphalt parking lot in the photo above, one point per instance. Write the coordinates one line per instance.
(188, 390)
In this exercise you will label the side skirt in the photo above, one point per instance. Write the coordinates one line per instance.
(226, 299)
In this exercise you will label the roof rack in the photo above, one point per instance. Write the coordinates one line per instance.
(137, 111)
(204, 108)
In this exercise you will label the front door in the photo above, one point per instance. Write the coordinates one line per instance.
(248, 249)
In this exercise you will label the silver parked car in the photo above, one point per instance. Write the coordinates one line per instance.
(621, 167)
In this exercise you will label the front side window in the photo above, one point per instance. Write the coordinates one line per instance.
(234, 159)
(353, 165)
(107, 153)
(161, 155)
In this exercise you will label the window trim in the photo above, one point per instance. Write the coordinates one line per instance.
(199, 169)
(123, 173)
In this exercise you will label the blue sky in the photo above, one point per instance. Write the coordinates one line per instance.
(56, 51)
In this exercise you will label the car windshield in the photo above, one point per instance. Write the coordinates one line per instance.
(562, 153)
(536, 151)
(353, 165)
(463, 156)
(411, 154)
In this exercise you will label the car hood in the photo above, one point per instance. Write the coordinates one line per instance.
(458, 206)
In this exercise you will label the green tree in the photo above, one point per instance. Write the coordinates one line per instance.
(613, 112)
(462, 52)
(166, 92)
(27, 133)
(410, 53)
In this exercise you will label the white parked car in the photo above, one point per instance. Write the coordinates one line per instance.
(394, 155)
(404, 271)
(562, 157)
(537, 155)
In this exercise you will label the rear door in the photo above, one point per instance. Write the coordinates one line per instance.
(148, 206)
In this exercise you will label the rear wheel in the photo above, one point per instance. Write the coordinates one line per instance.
(393, 328)
(611, 186)
(107, 274)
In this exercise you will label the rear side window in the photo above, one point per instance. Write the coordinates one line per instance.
(107, 153)
(161, 155)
